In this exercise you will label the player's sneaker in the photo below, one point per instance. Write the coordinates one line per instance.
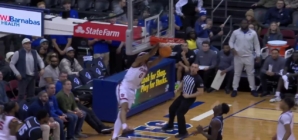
(296, 101)
(127, 131)
(167, 127)
(275, 99)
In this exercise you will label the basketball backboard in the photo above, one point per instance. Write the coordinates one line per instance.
(157, 16)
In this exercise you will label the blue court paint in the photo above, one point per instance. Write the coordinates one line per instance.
(195, 104)
(155, 127)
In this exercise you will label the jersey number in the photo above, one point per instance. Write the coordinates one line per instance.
(23, 129)
(141, 75)
(1, 125)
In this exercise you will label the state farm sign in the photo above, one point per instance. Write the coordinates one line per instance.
(104, 31)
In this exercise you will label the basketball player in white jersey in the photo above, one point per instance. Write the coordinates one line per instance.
(8, 121)
(285, 121)
(126, 89)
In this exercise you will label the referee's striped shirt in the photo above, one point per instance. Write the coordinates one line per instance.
(191, 83)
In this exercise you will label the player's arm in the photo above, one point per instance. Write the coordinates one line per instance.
(13, 125)
(154, 62)
(287, 124)
(200, 88)
(179, 89)
(215, 125)
(288, 131)
(145, 57)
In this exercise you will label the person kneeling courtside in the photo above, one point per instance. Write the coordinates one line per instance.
(271, 69)
(191, 86)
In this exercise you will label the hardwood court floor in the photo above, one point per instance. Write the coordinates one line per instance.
(250, 118)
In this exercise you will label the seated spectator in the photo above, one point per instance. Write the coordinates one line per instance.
(49, 55)
(250, 17)
(51, 73)
(206, 58)
(35, 127)
(93, 120)
(118, 6)
(45, 44)
(291, 5)
(58, 115)
(191, 38)
(288, 77)
(62, 77)
(67, 7)
(67, 104)
(100, 49)
(278, 14)
(60, 44)
(273, 33)
(3, 96)
(70, 64)
(42, 52)
(271, 70)
(202, 29)
(7, 73)
(226, 66)
(41, 5)
(185, 58)
(42, 103)
(265, 3)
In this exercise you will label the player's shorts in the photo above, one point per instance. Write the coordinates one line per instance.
(125, 95)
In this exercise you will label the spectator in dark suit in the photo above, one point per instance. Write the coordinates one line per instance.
(278, 14)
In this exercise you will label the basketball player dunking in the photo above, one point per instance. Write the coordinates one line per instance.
(8, 121)
(285, 121)
(216, 124)
(126, 89)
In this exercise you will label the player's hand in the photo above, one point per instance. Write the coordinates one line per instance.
(223, 72)
(118, 51)
(234, 52)
(254, 5)
(41, 72)
(183, 53)
(269, 73)
(206, 68)
(51, 119)
(19, 77)
(220, 33)
(200, 129)
(63, 118)
(258, 59)
(52, 125)
(185, 95)
(274, 137)
(195, 133)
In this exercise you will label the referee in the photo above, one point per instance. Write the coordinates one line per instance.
(191, 86)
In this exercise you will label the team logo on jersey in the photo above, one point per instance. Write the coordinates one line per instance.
(98, 71)
(100, 64)
(25, 107)
(76, 80)
(87, 75)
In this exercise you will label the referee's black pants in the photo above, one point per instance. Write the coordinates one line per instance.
(180, 107)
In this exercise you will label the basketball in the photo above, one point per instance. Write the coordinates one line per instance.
(165, 51)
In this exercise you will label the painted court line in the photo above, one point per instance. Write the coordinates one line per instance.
(204, 115)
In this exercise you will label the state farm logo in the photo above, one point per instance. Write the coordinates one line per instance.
(97, 31)
(80, 30)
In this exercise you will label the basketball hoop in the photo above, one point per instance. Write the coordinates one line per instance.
(165, 41)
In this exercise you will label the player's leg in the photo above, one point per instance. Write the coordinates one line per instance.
(249, 68)
(238, 68)
(278, 89)
(172, 113)
(296, 95)
(181, 111)
(45, 128)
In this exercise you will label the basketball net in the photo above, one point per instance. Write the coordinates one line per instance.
(165, 41)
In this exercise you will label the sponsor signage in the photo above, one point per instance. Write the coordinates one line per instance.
(18, 21)
(104, 31)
